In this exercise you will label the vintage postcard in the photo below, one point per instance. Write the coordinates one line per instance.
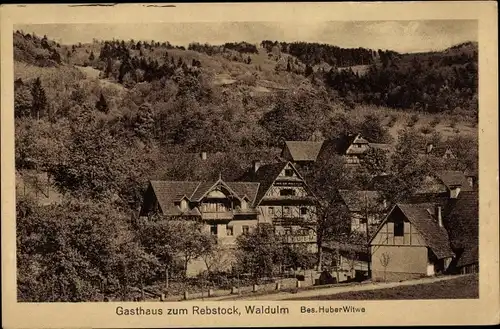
(258, 164)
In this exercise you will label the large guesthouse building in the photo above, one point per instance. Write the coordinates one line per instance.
(275, 194)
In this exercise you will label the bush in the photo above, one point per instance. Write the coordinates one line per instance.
(426, 130)
(392, 120)
(413, 120)
(453, 123)
(434, 122)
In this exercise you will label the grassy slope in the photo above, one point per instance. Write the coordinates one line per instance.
(460, 288)
(260, 78)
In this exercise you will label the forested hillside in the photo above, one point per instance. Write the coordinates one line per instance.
(105, 117)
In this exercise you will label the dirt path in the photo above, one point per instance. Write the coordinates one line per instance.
(334, 290)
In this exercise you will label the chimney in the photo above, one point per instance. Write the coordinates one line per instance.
(454, 191)
(203, 155)
(439, 216)
(256, 165)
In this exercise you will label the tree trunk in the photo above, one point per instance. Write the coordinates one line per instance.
(186, 261)
(166, 277)
(320, 253)
(338, 265)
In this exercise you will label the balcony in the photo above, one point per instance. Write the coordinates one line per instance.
(217, 215)
(248, 211)
(288, 200)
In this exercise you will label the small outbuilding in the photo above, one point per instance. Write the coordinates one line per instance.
(411, 242)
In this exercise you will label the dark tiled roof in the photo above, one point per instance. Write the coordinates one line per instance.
(453, 178)
(469, 256)
(434, 235)
(462, 225)
(201, 190)
(440, 198)
(338, 145)
(304, 150)
(168, 192)
(355, 200)
(249, 189)
(361, 140)
(266, 175)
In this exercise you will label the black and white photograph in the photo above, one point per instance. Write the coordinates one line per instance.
(246, 161)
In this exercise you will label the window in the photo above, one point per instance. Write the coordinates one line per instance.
(287, 191)
(213, 229)
(245, 229)
(286, 210)
(229, 231)
(303, 211)
(399, 228)
(288, 172)
(271, 211)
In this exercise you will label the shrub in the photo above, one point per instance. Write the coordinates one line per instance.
(426, 130)
(413, 120)
(392, 120)
(453, 123)
(434, 122)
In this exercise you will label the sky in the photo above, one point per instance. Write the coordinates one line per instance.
(401, 36)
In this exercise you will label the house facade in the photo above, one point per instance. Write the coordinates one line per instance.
(410, 243)
(285, 201)
(352, 147)
(274, 194)
(226, 208)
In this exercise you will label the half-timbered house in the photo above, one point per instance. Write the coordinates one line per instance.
(285, 201)
(411, 242)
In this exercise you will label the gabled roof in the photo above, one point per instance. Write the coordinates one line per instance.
(245, 189)
(360, 140)
(439, 198)
(304, 150)
(462, 225)
(453, 178)
(341, 144)
(435, 236)
(469, 256)
(266, 175)
(169, 192)
(355, 200)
